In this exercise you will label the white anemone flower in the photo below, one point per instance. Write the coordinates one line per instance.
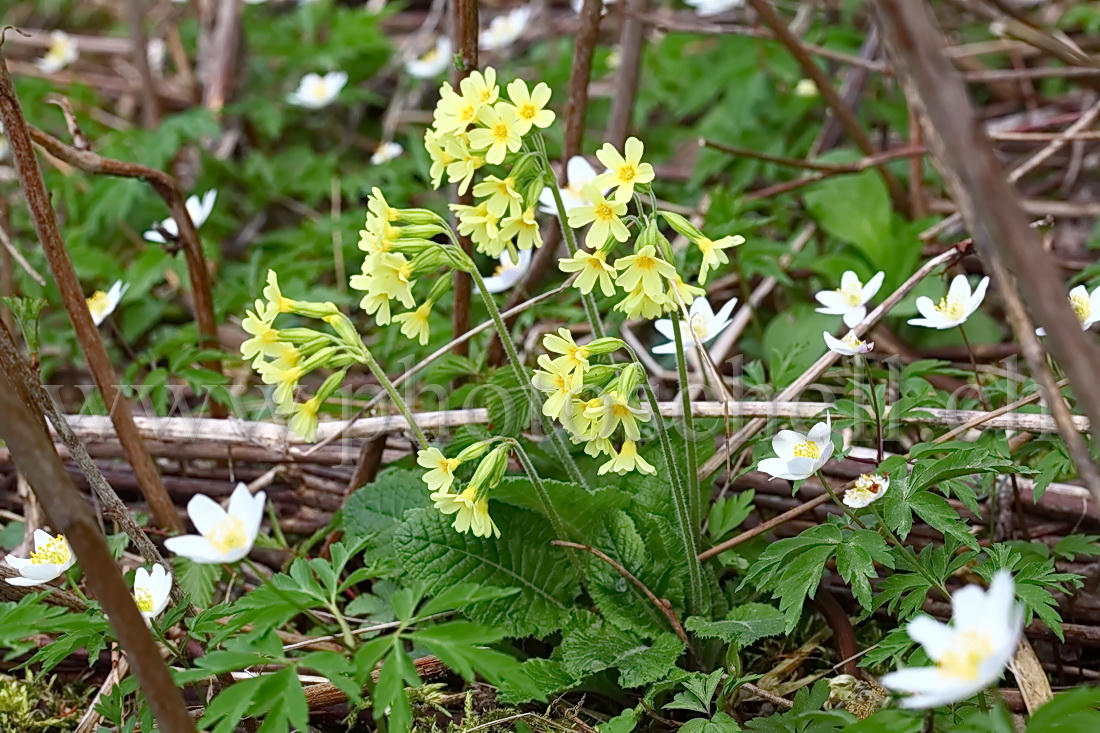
(224, 536)
(576, 6)
(704, 327)
(954, 308)
(714, 7)
(504, 30)
(509, 272)
(103, 304)
(970, 654)
(52, 556)
(799, 456)
(1086, 307)
(850, 299)
(315, 91)
(62, 52)
(850, 345)
(151, 590)
(197, 208)
(867, 488)
(385, 152)
(433, 62)
(580, 173)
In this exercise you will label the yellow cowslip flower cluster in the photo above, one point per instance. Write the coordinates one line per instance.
(398, 246)
(471, 505)
(474, 127)
(593, 420)
(283, 357)
(649, 281)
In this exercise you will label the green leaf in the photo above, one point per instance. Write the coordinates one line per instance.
(728, 513)
(508, 402)
(791, 568)
(889, 721)
(523, 558)
(601, 646)
(855, 561)
(390, 700)
(460, 645)
(1070, 546)
(855, 208)
(580, 509)
(940, 515)
(377, 510)
(197, 580)
(698, 692)
(1068, 712)
(742, 626)
(720, 723)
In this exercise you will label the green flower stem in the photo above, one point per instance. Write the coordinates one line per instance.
(278, 591)
(556, 438)
(909, 554)
(875, 407)
(836, 500)
(689, 427)
(365, 357)
(540, 489)
(974, 366)
(683, 504)
(570, 237)
(349, 637)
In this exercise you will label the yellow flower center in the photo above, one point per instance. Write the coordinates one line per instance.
(467, 113)
(431, 55)
(144, 600)
(604, 212)
(645, 262)
(501, 132)
(486, 95)
(964, 659)
(620, 410)
(699, 328)
(807, 449)
(951, 307)
(228, 534)
(852, 341)
(1081, 306)
(317, 92)
(54, 552)
(527, 111)
(852, 293)
(627, 173)
(98, 302)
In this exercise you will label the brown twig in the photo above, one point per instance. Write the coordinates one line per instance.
(24, 433)
(464, 31)
(45, 224)
(768, 695)
(150, 112)
(765, 527)
(913, 151)
(977, 182)
(631, 43)
(662, 605)
(168, 189)
(825, 87)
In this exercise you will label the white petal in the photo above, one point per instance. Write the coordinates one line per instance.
(41, 573)
(872, 286)
(832, 300)
(669, 348)
(153, 236)
(934, 636)
(726, 310)
(927, 308)
(784, 443)
(194, 548)
(701, 307)
(968, 608)
(978, 296)
(799, 468)
(853, 317)
(579, 171)
(960, 289)
(41, 538)
(664, 327)
(254, 515)
(836, 344)
(819, 433)
(23, 582)
(17, 563)
(205, 513)
(775, 467)
(826, 454)
(849, 280)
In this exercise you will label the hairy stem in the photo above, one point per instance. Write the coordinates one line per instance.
(368, 359)
(690, 452)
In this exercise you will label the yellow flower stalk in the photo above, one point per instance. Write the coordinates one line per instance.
(593, 268)
(604, 216)
(531, 105)
(623, 172)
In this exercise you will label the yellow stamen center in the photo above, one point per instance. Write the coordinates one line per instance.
(627, 173)
(228, 534)
(645, 262)
(951, 307)
(54, 552)
(1081, 306)
(604, 212)
(527, 111)
(807, 449)
(144, 600)
(98, 302)
(964, 659)
(852, 293)
(852, 341)
(501, 133)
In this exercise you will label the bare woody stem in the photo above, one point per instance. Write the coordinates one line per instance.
(464, 37)
(45, 224)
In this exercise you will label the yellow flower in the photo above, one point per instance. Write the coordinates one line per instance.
(605, 217)
(414, 324)
(471, 512)
(390, 275)
(284, 373)
(614, 410)
(265, 338)
(688, 293)
(303, 421)
(522, 227)
(454, 112)
(713, 256)
(435, 145)
(573, 357)
(464, 164)
(560, 385)
(373, 304)
(378, 207)
(480, 226)
(640, 304)
(597, 447)
(627, 460)
(593, 268)
(500, 135)
(274, 295)
(502, 194)
(530, 106)
(580, 427)
(440, 475)
(623, 172)
(481, 87)
(644, 269)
